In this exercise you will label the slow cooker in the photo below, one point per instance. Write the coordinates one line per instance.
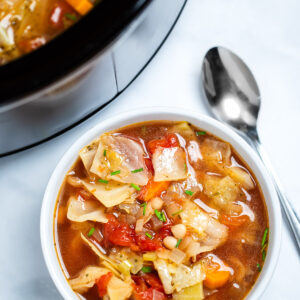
(48, 91)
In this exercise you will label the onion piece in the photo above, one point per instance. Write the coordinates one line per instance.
(163, 253)
(193, 249)
(74, 181)
(185, 242)
(177, 256)
(139, 225)
(171, 209)
(156, 223)
(149, 256)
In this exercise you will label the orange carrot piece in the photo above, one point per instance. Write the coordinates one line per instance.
(81, 6)
(153, 189)
(216, 279)
(233, 221)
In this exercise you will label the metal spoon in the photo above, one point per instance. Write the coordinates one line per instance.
(233, 96)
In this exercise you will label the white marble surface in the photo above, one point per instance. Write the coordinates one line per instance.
(266, 35)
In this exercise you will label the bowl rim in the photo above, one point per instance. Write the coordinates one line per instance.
(160, 113)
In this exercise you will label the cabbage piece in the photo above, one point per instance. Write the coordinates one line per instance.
(118, 289)
(110, 264)
(187, 276)
(110, 194)
(169, 164)
(194, 292)
(164, 275)
(222, 191)
(178, 188)
(81, 211)
(184, 129)
(241, 176)
(119, 153)
(87, 278)
(175, 278)
(209, 231)
(215, 152)
(194, 152)
(133, 260)
(87, 154)
(194, 218)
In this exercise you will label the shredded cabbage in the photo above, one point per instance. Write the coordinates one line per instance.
(176, 278)
(194, 292)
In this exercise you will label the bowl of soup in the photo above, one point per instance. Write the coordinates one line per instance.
(160, 203)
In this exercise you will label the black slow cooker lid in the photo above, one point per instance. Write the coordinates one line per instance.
(64, 54)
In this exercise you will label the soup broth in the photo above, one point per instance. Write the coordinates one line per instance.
(161, 210)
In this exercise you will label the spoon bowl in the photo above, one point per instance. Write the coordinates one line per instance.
(230, 89)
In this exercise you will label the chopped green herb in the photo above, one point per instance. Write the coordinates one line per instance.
(178, 243)
(71, 17)
(91, 231)
(177, 212)
(135, 186)
(200, 133)
(264, 247)
(115, 172)
(263, 255)
(146, 269)
(147, 234)
(258, 267)
(103, 181)
(185, 167)
(137, 170)
(104, 152)
(164, 217)
(144, 209)
(189, 192)
(263, 241)
(159, 215)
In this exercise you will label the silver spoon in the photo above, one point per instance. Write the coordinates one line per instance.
(233, 96)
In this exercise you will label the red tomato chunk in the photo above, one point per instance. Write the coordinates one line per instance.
(102, 283)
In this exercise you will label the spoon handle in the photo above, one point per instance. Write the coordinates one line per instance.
(288, 208)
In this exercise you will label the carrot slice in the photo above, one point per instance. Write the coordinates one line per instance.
(216, 279)
(81, 6)
(153, 189)
(233, 221)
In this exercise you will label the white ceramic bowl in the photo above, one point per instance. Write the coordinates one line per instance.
(159, 113)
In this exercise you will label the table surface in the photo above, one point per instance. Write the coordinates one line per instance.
(266, 35)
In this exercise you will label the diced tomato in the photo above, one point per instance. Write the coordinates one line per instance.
(143, 292)
(149, 294)
(83, 194)
(165, 231)
(153, 281)
(170, 140)
(147, 244)
(60, 9)
(118, 233)
(29, 45)
(102, 283)
(140, 283)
